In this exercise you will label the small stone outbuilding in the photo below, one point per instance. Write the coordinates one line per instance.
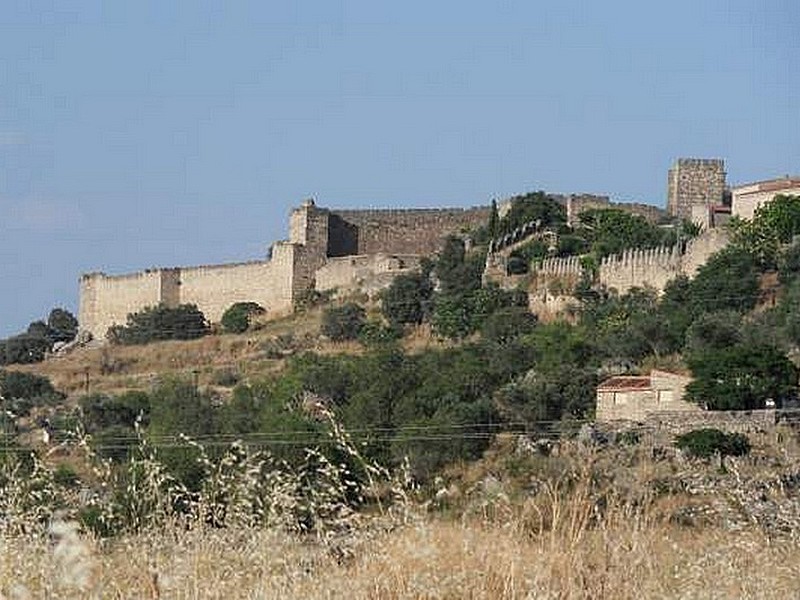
(636, 397)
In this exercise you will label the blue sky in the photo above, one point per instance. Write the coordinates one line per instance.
(152, 133)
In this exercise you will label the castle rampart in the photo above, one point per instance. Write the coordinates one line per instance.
(651, 267)
(326, 250)
(413, 231)
(107, 300)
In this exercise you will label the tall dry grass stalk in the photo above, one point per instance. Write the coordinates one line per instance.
(586, 525)
(622, 555)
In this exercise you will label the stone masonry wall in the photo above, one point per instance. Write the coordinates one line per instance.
(215, 288)
(107, 300)
(415, 231)
(578, 203)
(653, 268)
(699, 250)
(554, 279)
(693, 181)
(366, 273)
(310, 234)
(317, 236)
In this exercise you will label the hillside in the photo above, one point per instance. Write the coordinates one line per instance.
(442, 416)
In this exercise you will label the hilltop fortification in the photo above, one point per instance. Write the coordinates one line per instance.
(363, 250)
(327, 249)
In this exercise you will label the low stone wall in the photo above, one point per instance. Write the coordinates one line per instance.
(668, 424)
(366, 273)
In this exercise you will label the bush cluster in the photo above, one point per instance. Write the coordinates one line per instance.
(22, 392)
(708, 442)
(157, 323)
(236, 319)
(39, 339)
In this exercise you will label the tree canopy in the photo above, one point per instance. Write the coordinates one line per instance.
(741, 377)
(157, 323)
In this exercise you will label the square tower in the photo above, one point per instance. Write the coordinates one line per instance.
(695, 182)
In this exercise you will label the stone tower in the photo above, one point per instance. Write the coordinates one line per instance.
(695, 182)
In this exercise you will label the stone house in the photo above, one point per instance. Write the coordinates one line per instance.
(747, 198)
(637, 397)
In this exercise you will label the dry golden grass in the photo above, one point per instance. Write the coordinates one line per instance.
(118, 368)
(589, 525)
(624, 557)
(114, 369)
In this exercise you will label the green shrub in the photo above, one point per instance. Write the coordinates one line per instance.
(507, 323)
(237, 318)
(23, 349)
(407, 299)
(100, 411)
(311, 298)
(155, 323)
(62, 325)
(517, 265)
(343, 322)
(377, 334)
(23, 391)
(630, 437)
(705, 443)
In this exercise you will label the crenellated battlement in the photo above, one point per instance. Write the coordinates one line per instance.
(643, 257)
(559, 267)
(647, 267)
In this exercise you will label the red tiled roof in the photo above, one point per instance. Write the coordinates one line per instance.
(625, 382)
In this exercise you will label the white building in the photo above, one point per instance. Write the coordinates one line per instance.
(747, 198)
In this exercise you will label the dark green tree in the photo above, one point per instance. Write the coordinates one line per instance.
(506, 324)
(543, 397)
(20, 392)
(178, 408)
(236, 319)
(774, 224)
(101, 411)
(23, 349)
(714, 331)
(407, 299)
(62, 325)
(535, 206)
(156, 323)
(789, 265)
(728, 281)
(610, 231)
(345, 322)
(741, 377)
(39, 329)
(705, 443)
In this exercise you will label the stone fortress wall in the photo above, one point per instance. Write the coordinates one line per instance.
(695, 182)
(415, 231)
(651, 267)
(363, 250)
(348, 250)
(106, 300)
